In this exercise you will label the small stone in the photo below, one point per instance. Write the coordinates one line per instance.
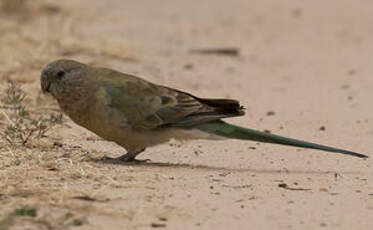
(270, 113)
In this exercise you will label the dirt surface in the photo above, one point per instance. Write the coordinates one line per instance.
(301, 68)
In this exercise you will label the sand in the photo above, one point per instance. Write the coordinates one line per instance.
(303, 69)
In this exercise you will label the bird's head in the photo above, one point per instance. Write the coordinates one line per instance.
(58, 76)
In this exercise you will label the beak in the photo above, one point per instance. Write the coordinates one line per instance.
(45, 83)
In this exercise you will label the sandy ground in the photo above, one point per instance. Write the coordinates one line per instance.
(302, 65)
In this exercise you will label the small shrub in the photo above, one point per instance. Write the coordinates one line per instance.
(21, 125)
(26, 211)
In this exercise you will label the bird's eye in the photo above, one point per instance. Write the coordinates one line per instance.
(61, 74)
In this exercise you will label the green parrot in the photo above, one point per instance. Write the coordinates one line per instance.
(136, 114)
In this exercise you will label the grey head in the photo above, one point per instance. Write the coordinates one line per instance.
(57, 74)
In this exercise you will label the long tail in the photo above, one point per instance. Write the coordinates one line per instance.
(224, 129)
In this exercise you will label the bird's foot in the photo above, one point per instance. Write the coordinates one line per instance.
(123, 160)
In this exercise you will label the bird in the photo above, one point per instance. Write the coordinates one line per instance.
(136, 114)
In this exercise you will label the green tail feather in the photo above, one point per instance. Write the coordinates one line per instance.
(224, 129)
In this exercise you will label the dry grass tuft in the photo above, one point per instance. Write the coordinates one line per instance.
(21, 126)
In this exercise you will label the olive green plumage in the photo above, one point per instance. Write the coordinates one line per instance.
(137, 114)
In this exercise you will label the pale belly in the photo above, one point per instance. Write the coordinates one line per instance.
(113, 126)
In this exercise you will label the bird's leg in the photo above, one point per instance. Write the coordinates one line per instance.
(128, 157)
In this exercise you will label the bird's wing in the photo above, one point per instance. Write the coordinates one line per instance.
(148, 106)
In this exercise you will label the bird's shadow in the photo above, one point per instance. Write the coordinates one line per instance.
(149, 164)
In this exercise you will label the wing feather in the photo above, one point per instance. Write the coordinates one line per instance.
(149, 106)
